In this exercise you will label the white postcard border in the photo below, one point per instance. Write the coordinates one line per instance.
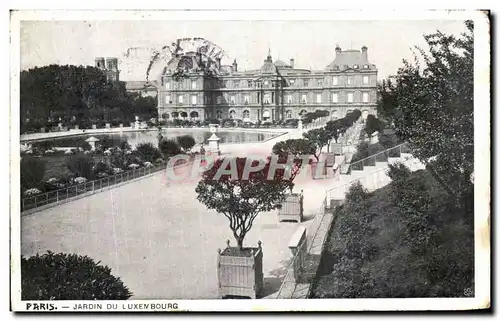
(482, 158)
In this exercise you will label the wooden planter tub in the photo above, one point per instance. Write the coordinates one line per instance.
(240, 274)
(292, 208)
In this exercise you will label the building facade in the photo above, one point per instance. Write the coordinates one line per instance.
(276, 91)
(143, 88)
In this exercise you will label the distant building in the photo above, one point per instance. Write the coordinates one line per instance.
(109, 66)
(276, 91)
(143, 88)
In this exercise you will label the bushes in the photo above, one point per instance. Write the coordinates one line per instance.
(81, 165)
(407, 239)
(169, 148)
(32, 172)
(186, 142)
(212, 121)
(101, 168)
(109, 142)
(309, 117)
(124, 145)
(69, 277)
(373, 125)
(148, 152)
(83, 145)
(43, 145)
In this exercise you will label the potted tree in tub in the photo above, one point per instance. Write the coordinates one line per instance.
(240, 189)
(295, 153)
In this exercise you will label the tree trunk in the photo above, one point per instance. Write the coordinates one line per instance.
(239, 241)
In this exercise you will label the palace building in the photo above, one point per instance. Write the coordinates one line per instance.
(275, 91)
(194, 85)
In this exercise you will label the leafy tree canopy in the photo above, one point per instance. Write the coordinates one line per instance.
(240, 195)
(432, 107)
(186, 142)
(77, 94)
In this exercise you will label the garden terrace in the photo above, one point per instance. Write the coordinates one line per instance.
(378, 247)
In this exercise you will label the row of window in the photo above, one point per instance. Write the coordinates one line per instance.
(232, 114)
(268, 99)
(193, 84)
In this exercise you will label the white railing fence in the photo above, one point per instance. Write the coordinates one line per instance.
(90, 187)
(297, 267)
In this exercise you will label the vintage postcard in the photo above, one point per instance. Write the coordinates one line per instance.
(283, 160)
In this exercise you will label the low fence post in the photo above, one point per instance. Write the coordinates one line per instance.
(67, 191)
(46, 198)
(93, 187)
(35, 201)
(57, 196)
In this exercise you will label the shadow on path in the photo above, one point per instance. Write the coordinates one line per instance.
(273, 283)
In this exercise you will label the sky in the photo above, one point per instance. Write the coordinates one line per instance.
(310, 43)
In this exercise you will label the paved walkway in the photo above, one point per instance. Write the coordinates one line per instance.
(159, 239)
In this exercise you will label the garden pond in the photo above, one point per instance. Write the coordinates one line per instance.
(135, 138)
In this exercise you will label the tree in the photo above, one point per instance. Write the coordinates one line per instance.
(372, 125)
(69, 277)
(433, 108)
(79, 95)
(319, 138)
(145, 107)
(32, 172)
(296, 148)
(148, 152)
(240, 199)
(169, 148)
(334, 127)
(186, 142)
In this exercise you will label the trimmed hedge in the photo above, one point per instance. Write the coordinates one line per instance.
(69, 277)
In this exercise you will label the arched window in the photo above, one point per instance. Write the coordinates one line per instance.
(288, 114)
(303, 112)
(219, 114)
(232, 114)
(365, 114)
(165, 116)
(184, 114)
(335, 114)
(246, 113)
(175, 114)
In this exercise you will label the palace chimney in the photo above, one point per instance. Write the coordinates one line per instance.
(292, 62)
(364, 54)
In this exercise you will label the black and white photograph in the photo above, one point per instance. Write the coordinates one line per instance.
(174, 160)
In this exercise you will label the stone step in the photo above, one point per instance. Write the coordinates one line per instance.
(393, 160)
(381, 164)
